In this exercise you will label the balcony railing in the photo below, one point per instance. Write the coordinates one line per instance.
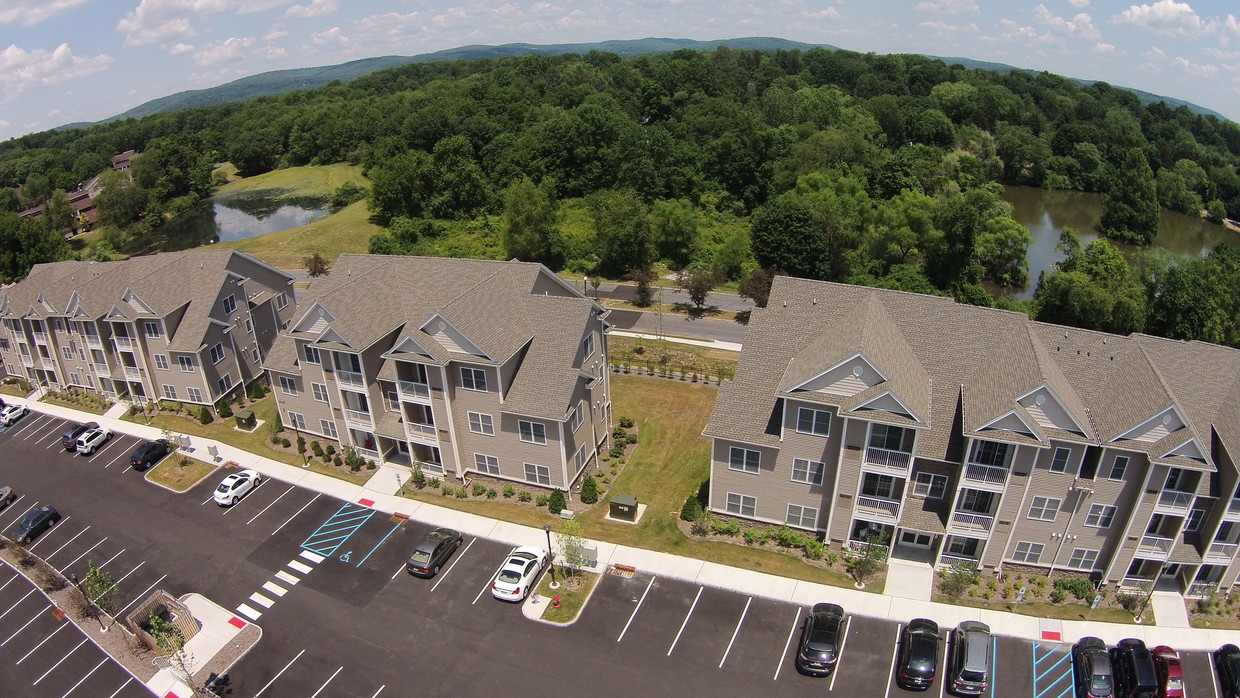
(413, 391)
(972, 522)
(359, 417)
(1201, 590)
(1155, 545)
(93, 340)
(946, 560)
(882, 507)
(884, 458)
(1174, 500)
(1233, 509)
(1221, 551)
(123, 343)
(368, 452)
(47, 363)
(416, 430)
(40, 337)
(102, 369)
(1131, 584)
(27, 361)
(987, 474)
(350, 378)
(132, 373)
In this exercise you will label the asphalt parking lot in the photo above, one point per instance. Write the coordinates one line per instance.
(325, 581)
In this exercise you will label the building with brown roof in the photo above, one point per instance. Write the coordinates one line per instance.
(465, 366)
(960, 433)
(187, 326)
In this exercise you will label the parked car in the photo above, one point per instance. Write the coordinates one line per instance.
(821, 636)
(92, 439)
(434, 550)
(1170, 673)
(232, 488)
(11, 413)
(1227, 666)
(516, 578)
(35, 521)
(70, 437)
(148, 453)
(918, 661)
(7, 496)
(969, 667)
(1092, 664)
(1133, 666)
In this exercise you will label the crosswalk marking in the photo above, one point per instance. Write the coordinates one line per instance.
(312, 557)
(251, 613)
(261, 600)
(275, 589)
(304, 569)
(286, 577)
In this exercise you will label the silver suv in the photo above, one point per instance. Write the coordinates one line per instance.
(969, 668)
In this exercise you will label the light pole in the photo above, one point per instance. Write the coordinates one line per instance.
(550, 554)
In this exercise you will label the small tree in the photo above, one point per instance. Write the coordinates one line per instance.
(960, 576)
(698, 281)
(169, 639)
(204, 415)
(100, 590)
(418, 478)
(555, 503)
(316, 265)
(871, 556)
(643, 277)
(224, 409)
(692, 509)
(589, 490)
(572, 546)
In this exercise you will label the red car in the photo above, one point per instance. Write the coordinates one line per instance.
(1170, 674)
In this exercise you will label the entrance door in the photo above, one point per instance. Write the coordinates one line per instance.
(916, 539)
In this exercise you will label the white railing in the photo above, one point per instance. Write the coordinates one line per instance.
(132, 373)
(1173, 499)
(1201, 590)
(102, 369)
(1155, 544)
(413, 391)
(972, 522)
(883, 507)
(123, 343)
(883, 458)
(93, 340)
(989, 474)
(27, 361)
(946, 560)
(47, 363)
(415, 429)
(1233, 508)
(40, 337)
(1223, 551)
(368, 452)
(358, 417)
(858, 547)
(1136, 584)
(350, 378)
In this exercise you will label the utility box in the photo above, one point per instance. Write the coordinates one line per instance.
(624, 507)
(245, 419)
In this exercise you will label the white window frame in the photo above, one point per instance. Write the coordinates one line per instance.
(538, 474)
(1077, 560)
(281, 300)
(319, 391)
(229, 304)
(476, 377)
(249, 326)
(742, 464)
(486, 464)
(1031, 553)
(577, 418)
(170, 392)
(481, 423)
(186, 363)
(1121, 464)
(312, 355)
(813, 421)
(587, 346)
(194, 394)
(1060, 466)
(224, 383)
(161, 361)
(151, 329)
(741, 504)
(924, 483)
(288, 386)
(532, 432)
(329, 428)
(220, 347)
(1102, 515)
(811, 471)
(298, 420)
(67, 352)
(1044, 508)
(1192, 522)
(797, 514)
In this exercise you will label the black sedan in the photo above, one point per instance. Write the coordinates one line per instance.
(36, 521)
(819, 649)
(918, 661)
(1227, 664)
(148, 453)
(433, 552)
(1092, 665)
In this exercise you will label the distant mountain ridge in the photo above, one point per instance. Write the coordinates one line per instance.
(280, 81)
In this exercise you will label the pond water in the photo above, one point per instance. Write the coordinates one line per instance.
(230, 217)
(1047, 213)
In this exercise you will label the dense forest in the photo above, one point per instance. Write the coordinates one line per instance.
(727, 165)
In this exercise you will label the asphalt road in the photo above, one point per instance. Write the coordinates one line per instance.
(678, 325)
(341, 618)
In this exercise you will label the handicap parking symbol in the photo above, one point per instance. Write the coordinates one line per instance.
(345, 557)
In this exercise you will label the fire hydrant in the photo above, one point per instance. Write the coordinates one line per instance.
(555, 602)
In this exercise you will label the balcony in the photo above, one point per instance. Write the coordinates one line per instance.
(93, 341)
(420, 431)
(886, 508)
(1233, 510)
(985, 474)
(123, 343)
(1155, 545)
(1201, 590)
(1174, 502)
(350, 378)
(102, 369)
(360, 418)
(47, 363)
(27, 361)
(969, 521)
(946, 560)
(1135, 584)
(1221, 552)
(40, 337)
(132, 373)
(897, 461)
(408, 390)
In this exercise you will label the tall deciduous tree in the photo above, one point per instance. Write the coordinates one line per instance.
(674, 225)
(531, 232)
(1130, 207)
(622, 231)
(786, 236)
(58, 213)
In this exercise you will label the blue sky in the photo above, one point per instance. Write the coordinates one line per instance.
(84, 60)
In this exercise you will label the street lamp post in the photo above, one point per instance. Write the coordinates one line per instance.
(550, 554)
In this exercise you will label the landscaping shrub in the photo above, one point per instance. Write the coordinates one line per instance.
(618, 434)
(433, 483)
(224, 409)
(702, 526)
(461, 493)
(524, 496)
(491, 493)
(479, 489)
(275, 439)
(832, 558)
(286, 443)
(751, 535)
(257, 391)
(627, 422)
(814, 548)
(617, 451)
(509, 491)
(204, 416)
(335, 461)
(589, 490)
(540, 500)
(727, 527)
(448, 491)
(1057, 595)
(630, 439)
(301, 444)
(787, 538)
(316, 448)
(960, 576)
(691, 511)
(1080, 587)
(556, 503)
(355, 467)
(371, 465)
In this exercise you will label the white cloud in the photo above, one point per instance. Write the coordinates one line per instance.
(271, 53)
(948, 7)
(1207, 71)
(391, 26)
(829, 13)
(1079, 4)
(1081, 25)
(332, 37)
(153, 21)
(21, 69)
(1010, 31)
(316, 8)
(275, 34)
(179, 48)
(4, 124)
(1103, 47)
(1221, 54)
(30, 12)
(1165, 17)
(1154, 54)
(948, 28)
(225, 51)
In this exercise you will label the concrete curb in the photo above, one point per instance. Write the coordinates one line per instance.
(546, 604)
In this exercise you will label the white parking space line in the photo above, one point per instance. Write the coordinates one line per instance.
(139, 596)
(286, 577)
(48, 532)
(79, 557)
(111, 559)
(491, 579)
(118, 457)
(33, 618)
(635, 610)
(62, 547)
(50, 636)
(329, 680)
(454, 561)
(840, 654)
(795, 621)
(376, 695)
(734, 632)
(44, 434)
(100, 451)
(62, 659)
(303, 568)
(39, 420)
(19, 601)
(303, 508)
(891, 672)
(275, 588)
(273, 679)
(312, 557)
(122, 687)
(79, 683)
(290, 489)
(19, 516)
(208, 499)
(398, 571)
(685, 621)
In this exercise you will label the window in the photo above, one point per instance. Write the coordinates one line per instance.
(1028, 552)
(249, 326)
(490, 464)
(170, 392)
(1100, 516)
(811, 421)
(473, 379)
(329, 428)
(217, 353)
(804, 517)
(741, 504)
(152, 329)
(1117, 470)
(297, 420)
(187, 363)
(538, 474)
(288, 386)
(532, 432)
(744, 460)
(807, 471)
(976, 501)
(320, 391)
(887, 437)
(1193, 523)
(68, 352)
(878, 485)
(930, 486)
(224, 383)
(575, 421)
(1060, 462)
(195, 395)
(230, 305)
(587, 346)
(254, 355)
(90, 381)
(75, 379)
(481, 424)
(1083, 559)
(60, 325)
(1044, 508)
(963, 547)
(989, 453)
(281, 301)
(311, 354)
(161, 362)
(579, 460)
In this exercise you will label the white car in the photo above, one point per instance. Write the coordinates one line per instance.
(236, 486)
(92, 439)
(517, 577)
(12, 413)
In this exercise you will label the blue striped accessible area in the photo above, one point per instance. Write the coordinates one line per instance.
(337, 529)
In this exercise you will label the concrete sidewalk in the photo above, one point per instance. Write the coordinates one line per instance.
(379, 494)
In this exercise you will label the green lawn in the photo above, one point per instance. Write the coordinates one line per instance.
(180, 473)
(309, 181)
(1039, 609)
(571, 600)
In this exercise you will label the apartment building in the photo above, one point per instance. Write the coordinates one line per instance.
(958, 433)
(189, 326)
(464, 366)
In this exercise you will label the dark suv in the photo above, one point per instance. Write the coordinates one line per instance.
(819, 648)
(969, 670)
(1092, 664)
(919, 654)
(1133, 664)
(70, 437)
(148, 453)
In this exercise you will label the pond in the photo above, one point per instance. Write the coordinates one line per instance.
(1047, 213)
(230, 217)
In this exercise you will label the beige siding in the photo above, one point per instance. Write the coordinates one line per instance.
(771, 487)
